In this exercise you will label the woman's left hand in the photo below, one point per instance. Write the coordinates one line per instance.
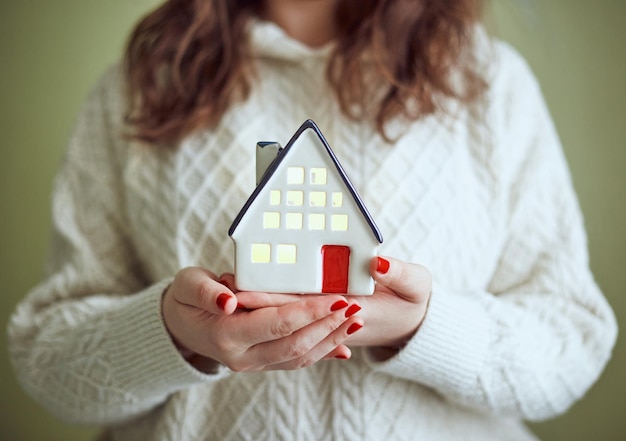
(398, 306)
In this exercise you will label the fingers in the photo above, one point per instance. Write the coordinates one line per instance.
(256, 300)
(273, 323)
(408, 280)
(341, 352)
(197, 287)
(228, 280)
(321, 340)
(293, 335)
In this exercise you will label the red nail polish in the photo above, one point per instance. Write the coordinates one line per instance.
(342, 357)
(352, 310)
(221, 300)
(240, 306)
(382, 266)
(353, 328)
(340, 304)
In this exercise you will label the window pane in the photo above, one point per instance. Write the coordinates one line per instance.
(295, 198)
(339, 222)
(318, 176)
(338, 199)
(317, 221)
(286, 253)
(317, 199)
(271, 219)
(295, 175)
(275, 197)
(261, 253)
(294, 221)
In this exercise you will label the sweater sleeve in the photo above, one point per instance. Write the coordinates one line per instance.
(539, 335)
(89, 342)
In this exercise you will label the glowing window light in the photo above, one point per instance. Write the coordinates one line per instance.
(295, 175)
(318, 176)
(294, 221)
(337, 199)
(317, 221)
(261, 253)
(275, 197)
(317, 199)
(339, 222)
(286, 253)
(295, 198)
(271, 220)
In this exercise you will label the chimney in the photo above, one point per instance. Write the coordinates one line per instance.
(266, 152)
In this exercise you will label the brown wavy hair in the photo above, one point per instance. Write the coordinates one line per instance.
(186, 63)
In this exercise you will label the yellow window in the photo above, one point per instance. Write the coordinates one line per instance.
(295, 198)
(337, 199)
(286, 253)
(294, 221)
(317, 221)
(271, 220)
(261, 253)
(318, 176)
(317, 199)
(339, 222)
(295, 175)
(275, 197)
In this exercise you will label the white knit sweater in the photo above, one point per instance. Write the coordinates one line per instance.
(516, 327)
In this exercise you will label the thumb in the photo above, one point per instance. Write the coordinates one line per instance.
(408, 280)
(198, 288)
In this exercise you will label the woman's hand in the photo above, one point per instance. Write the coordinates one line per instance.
(391, 315)
(202, 317)
(397, 308)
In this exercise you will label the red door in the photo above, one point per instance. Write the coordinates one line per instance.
(335, 264)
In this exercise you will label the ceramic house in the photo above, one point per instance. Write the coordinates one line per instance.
(304, 229)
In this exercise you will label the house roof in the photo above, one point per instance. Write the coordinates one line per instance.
(282, 154)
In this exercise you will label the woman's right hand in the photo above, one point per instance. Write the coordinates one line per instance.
(202, 316)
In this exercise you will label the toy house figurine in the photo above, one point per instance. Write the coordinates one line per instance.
(304, 229)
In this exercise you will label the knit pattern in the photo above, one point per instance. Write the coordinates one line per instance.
(516, 326)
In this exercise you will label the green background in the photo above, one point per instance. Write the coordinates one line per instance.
(51, 52)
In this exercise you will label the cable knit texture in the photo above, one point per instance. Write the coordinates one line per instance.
(516, 327)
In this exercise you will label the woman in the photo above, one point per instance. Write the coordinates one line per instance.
(448, 140)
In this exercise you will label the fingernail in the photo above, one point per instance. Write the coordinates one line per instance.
(240, 306)
(342, 357)
(340, 304)
(352, 310)
(354, 327)
(382, 266)
(221, 300)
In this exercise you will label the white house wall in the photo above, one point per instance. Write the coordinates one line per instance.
(304, 276)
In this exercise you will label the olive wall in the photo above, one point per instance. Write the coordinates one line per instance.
(578, 51)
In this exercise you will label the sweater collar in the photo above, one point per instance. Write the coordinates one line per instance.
(268, 40)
